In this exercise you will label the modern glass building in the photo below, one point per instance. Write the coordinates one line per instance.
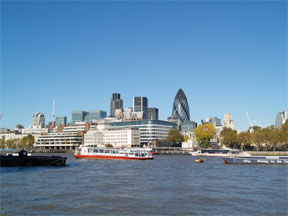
(94, 115)
(140, 104)
(212, 120)
(150, 130)
(115, 103)
(61, 120)
(188, 126)
(180, 110)
(153, 114)
(78, 116)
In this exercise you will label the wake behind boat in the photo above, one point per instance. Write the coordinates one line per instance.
(282, 160)
(85, 151)
(224, 152)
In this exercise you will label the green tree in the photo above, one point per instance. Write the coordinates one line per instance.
(204, 133)
(2, 143)
(229, 137)
(175, 137)
(266, 134)
(257, 138)
(244, 139)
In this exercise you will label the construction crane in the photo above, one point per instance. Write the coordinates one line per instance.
(252, 122)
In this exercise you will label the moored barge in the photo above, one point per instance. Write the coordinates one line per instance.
(282, 160)
(23, 159)
(86, 151)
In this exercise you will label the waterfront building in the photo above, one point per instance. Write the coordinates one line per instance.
(115, 103)
(140, 105)
(228, 121)
(180, 110)
(59, 141)
(94, 137)
(281, 117)
(35, 131)
(150, 130)
(212, 120)
(38, 120)
(153, 114)
(79, 127)
(61, 120)
(188, 126)
(78, 116)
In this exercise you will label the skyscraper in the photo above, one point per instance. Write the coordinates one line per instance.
(38, 120)
(115, 103)
(153, 114)
(180, 110)
(78, 116)
(140, 104)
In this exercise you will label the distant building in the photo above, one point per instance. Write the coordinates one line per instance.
(212, 120)
(59, 141)
(94, 115)
(83, 116)
(78, 116)
(115, 103)
(180, 109)
(140, 104)
(150, 130)
(38, 120)
(228, 121)
(281, 117)
(153, 114)
(61, 120)
(188, 126)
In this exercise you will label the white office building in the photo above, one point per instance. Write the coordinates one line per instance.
(228, 121)
(281, 117)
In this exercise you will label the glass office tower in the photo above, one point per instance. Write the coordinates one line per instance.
(180, 110)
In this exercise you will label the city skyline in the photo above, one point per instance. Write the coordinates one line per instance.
(226, 56)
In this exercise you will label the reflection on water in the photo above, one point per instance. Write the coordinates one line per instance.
(167, 185)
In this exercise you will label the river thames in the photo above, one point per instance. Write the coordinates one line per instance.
(167, 185)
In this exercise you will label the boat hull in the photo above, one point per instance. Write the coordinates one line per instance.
(108, 157)
(256, 160)
(14, 161)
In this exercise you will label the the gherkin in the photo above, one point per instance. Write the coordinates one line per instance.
(180, 109)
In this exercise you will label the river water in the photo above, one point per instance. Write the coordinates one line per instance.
(167, 185)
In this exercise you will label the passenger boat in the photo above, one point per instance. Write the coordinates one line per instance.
(219, 152)
(85, 151)
(24, 159)
(256, 160)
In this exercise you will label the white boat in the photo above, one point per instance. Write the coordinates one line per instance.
(282, 160)
(223, 152)
(86, 151)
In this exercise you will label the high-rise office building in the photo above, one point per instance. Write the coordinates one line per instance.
(281, 117)
(38, 120)
(115, 103)
(61, 120)
(140, 104)
(180, 110)
(78, 116)
(94, 115)
(212, 120)
(153, 114)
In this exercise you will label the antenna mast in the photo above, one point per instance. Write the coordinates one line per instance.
(53, 112)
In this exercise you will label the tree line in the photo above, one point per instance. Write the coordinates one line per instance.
(25, 142)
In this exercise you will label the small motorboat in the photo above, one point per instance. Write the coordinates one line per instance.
(199, 160)
(24, 159)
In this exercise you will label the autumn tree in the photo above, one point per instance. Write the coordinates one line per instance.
(229, 137)
(244, 139)
(204, 133)
(175, 137)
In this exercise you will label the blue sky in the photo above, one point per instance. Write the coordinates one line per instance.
(226, 56)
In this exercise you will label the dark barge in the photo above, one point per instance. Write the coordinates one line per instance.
(24, 159)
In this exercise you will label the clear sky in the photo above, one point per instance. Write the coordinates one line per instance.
(226, 56)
